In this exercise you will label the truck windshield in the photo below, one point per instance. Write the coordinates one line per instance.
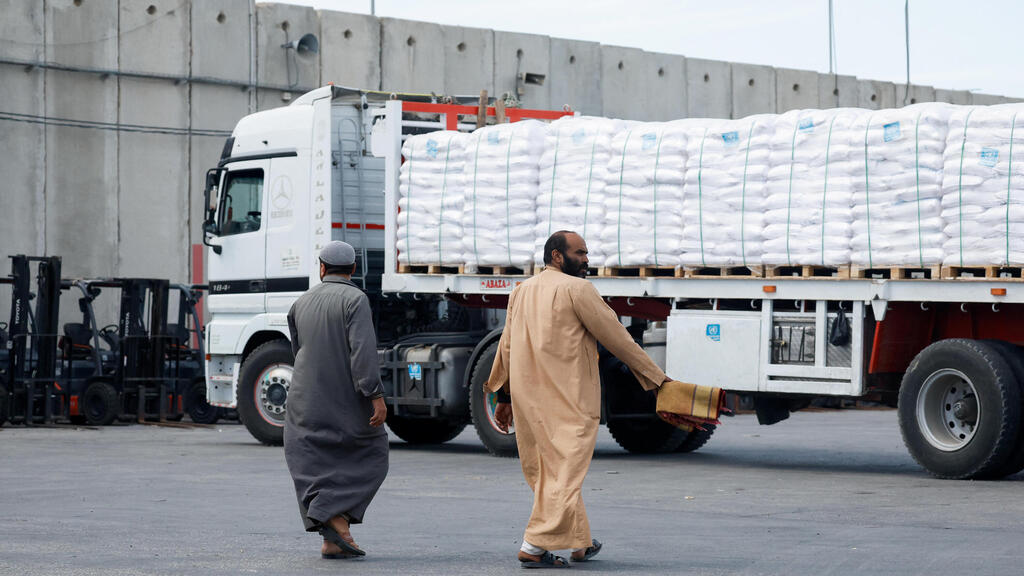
(241, 202)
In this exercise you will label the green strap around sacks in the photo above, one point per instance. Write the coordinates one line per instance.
(476, 158)
(657, 159)
(408, 204)
(508, 207)
(743, 202)
(960, 184)
(1009, 180)
(700, 194)
(917, 176)
(867, 189)
(590, 177)
(789, 198)
(622, 166)
(554, 171)
(824, 191)
(444, 188)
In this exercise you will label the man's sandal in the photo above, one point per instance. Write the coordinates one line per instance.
(547, 560)
(589, 553)
(347, 548)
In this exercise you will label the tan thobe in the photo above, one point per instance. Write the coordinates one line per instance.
(548, 356)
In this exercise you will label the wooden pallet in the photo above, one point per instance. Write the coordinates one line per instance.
(498, 270)
(427, 269)
(640, 271)
(724, 272)
(983, 272)
(897, 272)
(807, 272)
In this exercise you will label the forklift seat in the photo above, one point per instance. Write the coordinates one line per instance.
(76, 342)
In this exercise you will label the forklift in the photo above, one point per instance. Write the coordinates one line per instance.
(186, 362)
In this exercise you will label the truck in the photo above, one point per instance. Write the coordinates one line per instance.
(943, 349)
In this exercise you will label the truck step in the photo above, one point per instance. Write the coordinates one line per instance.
(897, 272)
(983, 272)
(807, 272)
(640, 271)
(724, 272)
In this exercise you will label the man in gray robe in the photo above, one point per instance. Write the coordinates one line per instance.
(334, 439)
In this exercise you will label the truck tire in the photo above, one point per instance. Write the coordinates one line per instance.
(481, 408)
(646, 436)
(100, 404)
(696, 438)
(960, 409)
(1014, 356)
(425, 430)
(263, 382)
(199, 410)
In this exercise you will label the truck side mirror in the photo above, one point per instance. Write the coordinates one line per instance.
(210, 193)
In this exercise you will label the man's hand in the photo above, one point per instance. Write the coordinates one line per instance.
(380, 412)
(503, 416)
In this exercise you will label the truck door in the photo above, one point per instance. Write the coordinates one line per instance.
(289, 263)
(238, 269)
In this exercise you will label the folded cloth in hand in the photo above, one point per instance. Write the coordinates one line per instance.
(689, 405)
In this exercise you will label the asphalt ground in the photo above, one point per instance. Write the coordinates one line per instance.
(822, 493)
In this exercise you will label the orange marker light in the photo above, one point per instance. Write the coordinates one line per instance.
(998, 291)
(768, 289)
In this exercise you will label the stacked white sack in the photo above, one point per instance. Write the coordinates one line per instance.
(500, 182)
(983, 186)
(897, 211)
(643, 223)
(807, 204)
(431, 199)
(573, 169)
(723, 204)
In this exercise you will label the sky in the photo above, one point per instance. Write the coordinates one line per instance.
(959, 45)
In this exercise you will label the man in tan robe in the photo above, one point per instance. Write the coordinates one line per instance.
(547, 366)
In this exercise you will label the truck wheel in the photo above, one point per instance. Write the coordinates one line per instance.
(100, 404)
(646, 436)
(263, 382)
(424, 430)
(1014, 356)
(960, 409)
(199, 410)
(696, 438)
(482, 405)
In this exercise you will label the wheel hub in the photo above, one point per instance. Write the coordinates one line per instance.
(272, 392)
(948, 410)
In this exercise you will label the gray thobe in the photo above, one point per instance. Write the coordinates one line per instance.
(336, 459)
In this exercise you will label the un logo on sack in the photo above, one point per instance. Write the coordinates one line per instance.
(713, 332)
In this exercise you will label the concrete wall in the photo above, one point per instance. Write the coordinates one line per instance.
(124, 202)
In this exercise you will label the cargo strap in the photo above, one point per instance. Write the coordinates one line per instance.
(867, 189)
(408, 206)
(743, 202)
(508, 206)
(657, 159)
(622, 166)
(700, 193)
(1009, 180)
(960, 184)
(590, 178)
(917, 177)
(554, 171)
(789, 198)
(476, 158)
(444, 187)
(824, 191)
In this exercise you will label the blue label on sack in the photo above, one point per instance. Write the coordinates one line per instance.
(891, 131)
(493, 138)
(432, 148)
(415, 372)
(988, 157)
(713, 332)
(647, 141)
(806, 125)
(731, 139)
(579, 136)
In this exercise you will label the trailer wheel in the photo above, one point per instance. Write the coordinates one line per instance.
(199, 410)
(482, 405)
(263, 382)
(100, 404)
(960, 409)
(3, 405)
(696, 438)
(1014, 356)
(647, 436)
(424, 430)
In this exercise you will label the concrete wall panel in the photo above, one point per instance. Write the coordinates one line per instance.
(468, 60)
(350, 50)
(708, 88)
(412, 56)
(277, 24)
(523, 54)
(666, 81)
(875, 95)
(962, 97)
(576, 76)
(753, 90)
(795, 89)
(838, 91)
(624, 83)
(987, 99)
(144, 25)
(220, 39)
(917, 94)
